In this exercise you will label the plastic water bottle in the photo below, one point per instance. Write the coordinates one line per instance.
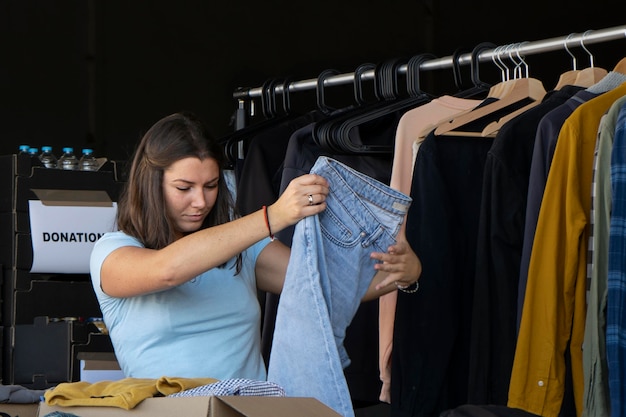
(88, 162)
(47, 158)
(34, 156)
(68, 160)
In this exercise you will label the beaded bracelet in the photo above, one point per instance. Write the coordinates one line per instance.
(407, 289)
(267, 222)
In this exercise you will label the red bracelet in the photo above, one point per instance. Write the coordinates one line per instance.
(267, 222)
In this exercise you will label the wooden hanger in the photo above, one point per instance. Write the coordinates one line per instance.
(620, 66)
(592, 74)
(589, 76)
(505, 100)
(568, 77)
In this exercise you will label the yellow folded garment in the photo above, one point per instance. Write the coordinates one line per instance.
(125, 393)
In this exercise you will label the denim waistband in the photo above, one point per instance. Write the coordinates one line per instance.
(346, 182)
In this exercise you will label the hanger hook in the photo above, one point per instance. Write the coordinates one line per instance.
(321, 96)
(268, 98)
(516, 68)
(582, 44)
(413, 73)
(475, 62)
(456, 68)
(518, 72)
(495, 58)
(507, 73)
(358, 82)
(570, 52)
(521, 57)
(386, 79)
(286, 95)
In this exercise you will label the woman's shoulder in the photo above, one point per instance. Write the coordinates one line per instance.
(106, 244)
(117, 235)
(117, 238)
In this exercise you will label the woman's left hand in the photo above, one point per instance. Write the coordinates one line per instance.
(400, 264)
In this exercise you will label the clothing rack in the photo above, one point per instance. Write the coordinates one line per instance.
(525, 48)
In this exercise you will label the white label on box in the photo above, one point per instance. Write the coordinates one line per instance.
(63, 236)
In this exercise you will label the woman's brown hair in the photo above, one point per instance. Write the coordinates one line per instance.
(141, 209)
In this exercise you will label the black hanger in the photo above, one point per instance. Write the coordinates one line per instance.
(286, 94)
(320, 90)
(386, 79)
(324, 131)
(268, 98)
(322, 128)
(234, 144)
(479, 88)
(456, 69)
(358, 83)
(413, 75)
(347, 133)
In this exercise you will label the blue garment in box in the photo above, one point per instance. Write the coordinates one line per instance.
(329, 272)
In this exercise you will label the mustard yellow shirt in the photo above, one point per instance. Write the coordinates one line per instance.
(125, 393)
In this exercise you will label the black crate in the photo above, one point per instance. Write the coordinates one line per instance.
(12, 166)
(45, 353)
(55, 298)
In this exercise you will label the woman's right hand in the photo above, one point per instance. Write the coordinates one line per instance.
(304, 196)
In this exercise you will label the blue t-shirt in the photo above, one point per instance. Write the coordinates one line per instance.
(208, 327)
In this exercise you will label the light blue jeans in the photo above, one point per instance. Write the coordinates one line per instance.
(329, 272)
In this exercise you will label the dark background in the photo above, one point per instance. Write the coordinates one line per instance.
(100, 72)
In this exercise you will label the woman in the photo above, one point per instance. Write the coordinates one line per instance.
(177, 284)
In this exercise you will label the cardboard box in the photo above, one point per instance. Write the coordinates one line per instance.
(49, 206)
(19, 410)
(226, 406)
(63, 227)
(96, 371)
(99, 366)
